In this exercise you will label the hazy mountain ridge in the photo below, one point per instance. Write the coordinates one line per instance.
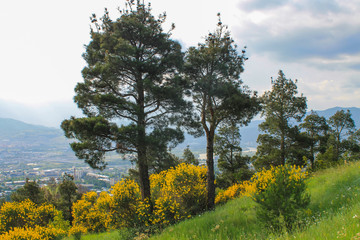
(17, 137)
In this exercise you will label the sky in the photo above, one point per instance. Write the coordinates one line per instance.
(316, 42)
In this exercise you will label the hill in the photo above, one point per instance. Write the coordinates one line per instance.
(26, 143)
(333, 213)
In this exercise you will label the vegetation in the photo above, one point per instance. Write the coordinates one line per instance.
(133, 99)
(25, 220)
(280, 141)
(333, 213)
(281, 197)
(234, 167)
(316, 130)
(213, 69)
(131, 76)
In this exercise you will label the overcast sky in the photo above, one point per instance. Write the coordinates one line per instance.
(314, 41)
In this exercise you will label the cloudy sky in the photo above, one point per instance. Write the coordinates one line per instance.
(314, 41)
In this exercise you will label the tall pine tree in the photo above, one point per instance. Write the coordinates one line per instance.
(131, 91)
(279, 142)
(213, 69)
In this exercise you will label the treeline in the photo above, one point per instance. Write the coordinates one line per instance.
(313, 141)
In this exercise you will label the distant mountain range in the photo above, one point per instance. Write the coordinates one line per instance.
(19, 140)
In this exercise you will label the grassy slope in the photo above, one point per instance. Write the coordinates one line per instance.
(334, 213)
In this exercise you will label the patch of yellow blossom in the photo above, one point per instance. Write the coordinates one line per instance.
(259, 182)
(26, 220)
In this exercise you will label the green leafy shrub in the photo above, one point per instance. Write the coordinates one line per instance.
(283, 201)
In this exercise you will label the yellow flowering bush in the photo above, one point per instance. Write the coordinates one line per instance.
(258, 183)
(88, 213)
(125, 200)
(26, 220)
(230, 193)
(178, 193)
(36, 233)
(77, 231)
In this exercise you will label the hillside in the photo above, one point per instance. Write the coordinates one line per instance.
(24, 142)
(334, 212)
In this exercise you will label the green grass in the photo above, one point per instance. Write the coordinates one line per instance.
(113, 235)
(334, 212)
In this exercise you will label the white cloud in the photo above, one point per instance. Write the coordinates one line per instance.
(316, 42)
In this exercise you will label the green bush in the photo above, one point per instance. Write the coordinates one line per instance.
(282, 203)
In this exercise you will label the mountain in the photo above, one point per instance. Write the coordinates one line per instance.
(355, 113)
(14, 132)
(27, 142)
(49, 114)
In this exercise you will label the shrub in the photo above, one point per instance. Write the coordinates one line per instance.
(88, 213)
(125, 199)
(245, 188)
(36, 233)
(280, 196)
(179, 192)
(26, 220)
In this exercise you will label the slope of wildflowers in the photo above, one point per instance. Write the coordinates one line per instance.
(334, 212)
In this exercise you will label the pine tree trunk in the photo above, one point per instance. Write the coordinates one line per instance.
(312, 157)
(282, 147)
(210, 171)
(141, 147)
(143, 173)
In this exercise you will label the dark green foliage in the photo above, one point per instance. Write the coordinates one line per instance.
(189, 157)
(283, 202)
(233, 166)
(280, 138)
(68, 195)
(352, 146)
(132, 77)
(213, 69)
(31, 190)
(316, 130)
(341, 125)
(342, 142)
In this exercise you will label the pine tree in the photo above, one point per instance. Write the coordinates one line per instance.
(213, 69)
(280, 106)
(131, 91)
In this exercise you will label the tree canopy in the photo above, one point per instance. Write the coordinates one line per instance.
(131, 92)
(280, 106)
(213, 69)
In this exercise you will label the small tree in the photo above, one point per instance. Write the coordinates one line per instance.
(233, 166)
(189, 157)
(316, 130)
(280, 106)
(341, 125)
(31, 190)
(68, 195)
(213, 69)
(283, 201)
